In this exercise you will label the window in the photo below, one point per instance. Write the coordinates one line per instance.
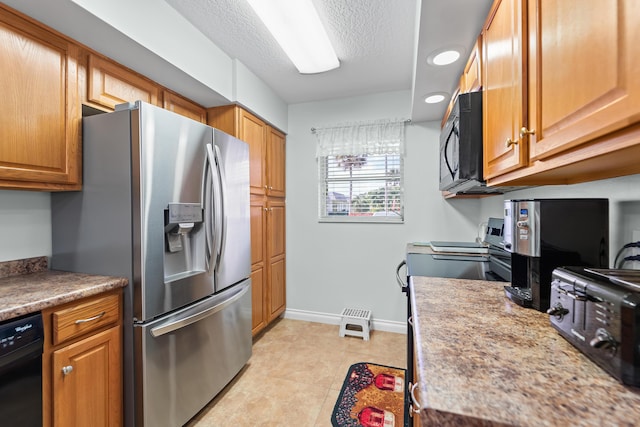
(360, 170)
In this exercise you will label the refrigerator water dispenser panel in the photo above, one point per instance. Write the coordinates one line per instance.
(184, 232)
(180, 218)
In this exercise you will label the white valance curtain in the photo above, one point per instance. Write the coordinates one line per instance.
(379, 137)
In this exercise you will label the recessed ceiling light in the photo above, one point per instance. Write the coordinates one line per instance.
(434, 98)
(445, 56)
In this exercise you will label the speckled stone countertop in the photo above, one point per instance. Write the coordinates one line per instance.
(484, 361)
(26, 286)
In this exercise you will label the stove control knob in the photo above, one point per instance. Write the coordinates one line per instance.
(603, 339)
(557, 310)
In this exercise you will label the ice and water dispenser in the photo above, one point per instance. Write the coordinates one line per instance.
(184, 232)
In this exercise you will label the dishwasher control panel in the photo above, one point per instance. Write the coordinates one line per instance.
(19, 333)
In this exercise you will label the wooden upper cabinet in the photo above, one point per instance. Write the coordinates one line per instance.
(504, 88)
(276, 163)
(40, 112)
(584, 67)
(471, 78)
(184, 107)
(266, 147)
(111, 84)
(561, 101)
(253, 131)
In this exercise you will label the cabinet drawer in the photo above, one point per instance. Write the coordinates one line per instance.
(79, 319)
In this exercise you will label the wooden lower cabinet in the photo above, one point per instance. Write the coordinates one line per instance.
(277, 288)
(258, 300)
(268, 271)
(82, 363)
(87, 382)
(276, 256)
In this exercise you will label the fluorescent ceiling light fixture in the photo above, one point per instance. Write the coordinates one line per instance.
(445, 56)
(296, 26)
(434, 98)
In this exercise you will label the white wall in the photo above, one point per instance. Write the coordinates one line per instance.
(624, 206)
(25, 224)
(331, 266)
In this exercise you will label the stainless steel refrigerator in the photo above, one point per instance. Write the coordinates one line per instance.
(165, 203)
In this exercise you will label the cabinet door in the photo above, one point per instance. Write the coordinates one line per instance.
(276, 163)
(87, 381)
(258, 211)
(276, 252)
(277, 288)
(504, 90)
(40, 110)
(276, 228)
(253, 131)
(259, 316)
(111, 84)
(258, 208)
(471, 79)
(583, 71)
(183, 106)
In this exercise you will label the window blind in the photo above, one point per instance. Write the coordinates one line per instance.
(360, 172)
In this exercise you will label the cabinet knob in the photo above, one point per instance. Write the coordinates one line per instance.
(509, 142)
(270, 187)
(67, 370)
(266, 210)
(524, 132)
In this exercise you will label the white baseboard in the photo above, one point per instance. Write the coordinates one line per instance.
(334, 319)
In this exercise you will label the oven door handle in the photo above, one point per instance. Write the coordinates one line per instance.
(402, 284)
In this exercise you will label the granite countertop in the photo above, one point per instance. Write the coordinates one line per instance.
(27, 286)
(485, 361)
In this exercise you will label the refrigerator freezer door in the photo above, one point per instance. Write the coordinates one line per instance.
(234, 237)
(191, 355)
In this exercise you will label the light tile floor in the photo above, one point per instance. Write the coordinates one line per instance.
(295, 374)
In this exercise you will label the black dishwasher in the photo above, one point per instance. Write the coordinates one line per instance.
(21, 343)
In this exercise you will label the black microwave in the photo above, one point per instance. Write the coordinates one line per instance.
(461, 148)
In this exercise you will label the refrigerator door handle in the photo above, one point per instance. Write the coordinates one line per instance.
(222, 230)
(210, 231)
(189, 320)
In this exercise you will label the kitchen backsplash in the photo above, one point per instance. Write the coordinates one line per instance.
(23, 266)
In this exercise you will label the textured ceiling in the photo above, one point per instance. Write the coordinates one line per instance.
(378, 43)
